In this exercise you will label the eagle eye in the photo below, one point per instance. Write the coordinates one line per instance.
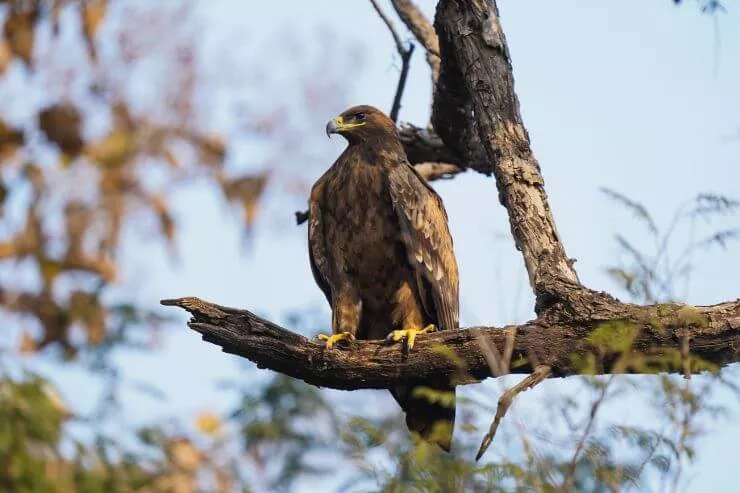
(360, 116)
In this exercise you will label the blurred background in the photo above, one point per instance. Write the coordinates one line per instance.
(160, 149)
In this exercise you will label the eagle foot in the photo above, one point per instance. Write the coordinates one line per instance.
(409, 335)
(331, 339)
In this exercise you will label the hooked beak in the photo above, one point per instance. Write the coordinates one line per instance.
(333, 126)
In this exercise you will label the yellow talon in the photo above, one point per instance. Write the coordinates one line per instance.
(330, 340)
(409, 335)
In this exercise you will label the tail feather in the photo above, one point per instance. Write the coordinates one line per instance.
(430, 411)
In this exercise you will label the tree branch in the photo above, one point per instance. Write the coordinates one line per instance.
(476, 67)
(396, 38)
(405, 65)
(404, 53)
(552, 339)
(422, 30)
(504, 402)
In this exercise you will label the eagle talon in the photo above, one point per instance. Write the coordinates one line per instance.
(334, 338)
(409, 335)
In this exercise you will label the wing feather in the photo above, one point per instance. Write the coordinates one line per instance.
(425, 232)
(317, 242)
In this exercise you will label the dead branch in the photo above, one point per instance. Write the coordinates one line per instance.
(550, 340)
(540, 373)
(422, 30)
(396, 38)
(405, 64)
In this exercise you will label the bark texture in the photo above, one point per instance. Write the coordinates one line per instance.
(475, 57)
(552, 340)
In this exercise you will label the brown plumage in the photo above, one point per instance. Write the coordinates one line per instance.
(381, 252)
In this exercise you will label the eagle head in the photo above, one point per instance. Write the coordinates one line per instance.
(360, 124)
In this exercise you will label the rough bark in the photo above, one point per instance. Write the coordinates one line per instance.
(475, 61)
(451, 107)
(424, 145)
(551, 339)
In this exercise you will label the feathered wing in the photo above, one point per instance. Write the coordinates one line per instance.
(317, 243)
(424, 231)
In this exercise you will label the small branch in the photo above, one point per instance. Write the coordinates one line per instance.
(504, 402)
(405, 54)
(422, 30)
(424, 145)
(406, 63)
(685, 349)
(571, 475)
(438, 171)
(396, 38)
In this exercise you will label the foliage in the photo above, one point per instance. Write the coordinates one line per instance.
(652, 275)
(87, 161)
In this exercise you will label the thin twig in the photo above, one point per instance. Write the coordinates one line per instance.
(405, 54)
(493, 357)
(685, 350)
(396, 38)
(570, 477)
(500, 365)
(406, 64)
(540, 373)
(422, 30)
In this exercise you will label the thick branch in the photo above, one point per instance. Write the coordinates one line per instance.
(423, 145)
(549, 340)
(476, 67)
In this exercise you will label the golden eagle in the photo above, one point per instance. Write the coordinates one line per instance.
(381, 252)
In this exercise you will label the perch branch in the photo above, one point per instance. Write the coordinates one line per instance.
(550, 340)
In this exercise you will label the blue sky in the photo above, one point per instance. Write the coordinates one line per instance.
(641, 97)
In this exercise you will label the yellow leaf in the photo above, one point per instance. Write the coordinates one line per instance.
(113, 150)
(50, 269)
(27, 345)
(6, 56)
(208, 423)
(184, 454)
(93, 13)
(18, 31)
(10, 140)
